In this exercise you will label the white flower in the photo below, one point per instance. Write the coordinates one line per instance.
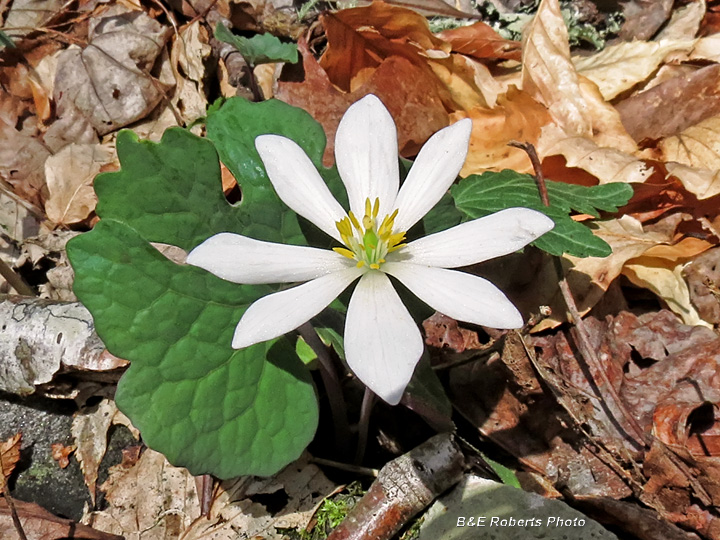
(382, 342)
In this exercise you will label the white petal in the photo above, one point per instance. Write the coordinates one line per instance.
(298, 183)
(435, 169)
(478, 240)
(382, 341)
(245, 260)
(275, 314)
(366, 154)
(458, 295)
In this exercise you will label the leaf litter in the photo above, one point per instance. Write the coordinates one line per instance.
(643, 111)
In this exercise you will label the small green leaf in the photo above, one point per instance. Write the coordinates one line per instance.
(5, 41)
(204, 405)
(259, 49)
(506, 476)
(304, 351)
(479, 195)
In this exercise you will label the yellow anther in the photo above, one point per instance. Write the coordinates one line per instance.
(375, 266)
(344, 252)
(360, 264)
(393, 248)
(376, 207)
(355, 222)
(368, 222)
(368, 207)
(380, 261)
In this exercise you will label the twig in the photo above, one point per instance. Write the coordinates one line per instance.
(356, 469)
(535, 160)
(364, 424)
(11, 505)
(587, 351)
(331, 382)
(15, 281)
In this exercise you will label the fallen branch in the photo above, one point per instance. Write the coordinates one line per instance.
(404, 487)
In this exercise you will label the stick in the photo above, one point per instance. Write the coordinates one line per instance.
(11, 505)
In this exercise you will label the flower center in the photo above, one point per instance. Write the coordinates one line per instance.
(367, 243)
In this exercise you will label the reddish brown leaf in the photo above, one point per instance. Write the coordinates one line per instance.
(9, 456)
(442, 331)
(39, 524)
(61, 453)
(480, 41)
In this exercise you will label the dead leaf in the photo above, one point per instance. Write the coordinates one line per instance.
(417, 111)
(188, 55)
(24, 15)
(643, 18)
(108, 81)
(685, 22)
(515, 117)
(619, 67)
(704, 183)
(672, 106)
(9, 456)
(436, 7)
(480, 41)
(707, 48)
(69, 175)
(90, 431)
(697, 146)
(22, 160)
(703, 279)
(61, 453)
(151, 500)
(39, 524)
(442, 331)
(606, 164)
(234, 511)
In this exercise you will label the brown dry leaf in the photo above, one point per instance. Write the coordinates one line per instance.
(479, 40)
(69, 175)
(108, 81)
(466, 80)
(359, 39)
(643, 18)
(22, 160)
(548, 75)
(417, 111)
(234, 512)
(61, 453)
(24, 15)
(704, 183)
(673, 106)
(665, 279)
(515, 117)
(707, 48)
(152, 500)
(619, 67)
(39, 524)
(685, 22)
(697, 146)
(188, 55)
(9, 456)
(703, 279)
(606, 164)
(89, 429)
(442, 331)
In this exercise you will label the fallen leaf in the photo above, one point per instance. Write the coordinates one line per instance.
(442, 331)
(672, 106)
(188, 55)
(480, 41)
(619, 67)
(697, 146)
(685, 22)
(108, 81)
(90, 431)
(151, 500)
(707, 48)
(436, 7)
(61, 454)
(24, 15)
(643, 18)
(704, 183)
(515, 117)
(606, 164)
(703, 279)
(234, 508)
(22, 160)
(39, 524)
(9, 456)
(69, 175)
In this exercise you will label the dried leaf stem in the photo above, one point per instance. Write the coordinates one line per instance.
(11, 505)
(630, 427)
(15, 281)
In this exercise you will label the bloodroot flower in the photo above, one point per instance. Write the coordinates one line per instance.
(382, 342)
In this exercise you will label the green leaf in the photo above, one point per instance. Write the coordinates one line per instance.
(5, 41)
(204, 405)
(506, 476)
(479, 195)
(259, 49)
(233, 127)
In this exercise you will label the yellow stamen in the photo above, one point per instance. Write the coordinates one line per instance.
(368, 207)
(344, 252)
(375, 266)
(354, 220)
(376, 207)
(360, 264)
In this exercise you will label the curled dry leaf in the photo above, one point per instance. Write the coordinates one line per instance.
(643, 18)
(606, 164)
(697, 146)
(619, 67)
(707, 48)
(188, 56)
(109, 81)
(684, 23)
(69, 175)
(61, 453)
(704, 183)
(480, 41)
(515, 117)
(9, 456)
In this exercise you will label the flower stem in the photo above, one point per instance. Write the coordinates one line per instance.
(338, 411)
(364, 424)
